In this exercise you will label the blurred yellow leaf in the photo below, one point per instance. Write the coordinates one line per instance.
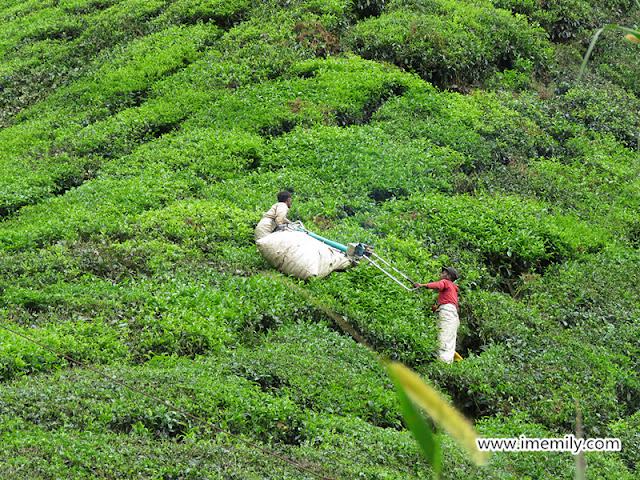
(633, 38)
(439, 409)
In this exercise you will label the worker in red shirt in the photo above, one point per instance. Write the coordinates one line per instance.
(447, 309)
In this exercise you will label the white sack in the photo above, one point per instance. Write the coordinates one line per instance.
(300, 255)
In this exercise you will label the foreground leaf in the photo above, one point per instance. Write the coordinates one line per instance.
(439, 410)
(633, 37)
(428, 441)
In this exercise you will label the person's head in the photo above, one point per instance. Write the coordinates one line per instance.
(285, 197)
(449, 273)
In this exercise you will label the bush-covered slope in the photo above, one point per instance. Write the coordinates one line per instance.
(140, 143)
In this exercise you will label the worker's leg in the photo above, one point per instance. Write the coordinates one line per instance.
(447, 332)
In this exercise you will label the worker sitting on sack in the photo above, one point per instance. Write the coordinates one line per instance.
(276, 216)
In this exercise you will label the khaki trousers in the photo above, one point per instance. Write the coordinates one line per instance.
(447, 331)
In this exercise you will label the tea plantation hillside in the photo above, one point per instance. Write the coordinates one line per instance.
(140, 143)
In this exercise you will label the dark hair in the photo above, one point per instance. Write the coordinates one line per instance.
(284, 195)
(451, 271)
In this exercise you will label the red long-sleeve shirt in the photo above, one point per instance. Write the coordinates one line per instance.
(447, 292)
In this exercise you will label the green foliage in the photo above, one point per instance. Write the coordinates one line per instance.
(616, 60)
(49, 49)
(141, 142)
(312, 381)
(495, 382)
(208, 153)
(197, 223)
(377, 165)
(479, 127)
(449, 43)
(225, 13)
(511, 240)
(596, 109)
(97, 206)
(240, 393)
(340, 92)
(538, 464)
(565, 20)
(627, 431)
(120, 134)
(19, 187)
(123, 76)
(597, 172)
(430, 444)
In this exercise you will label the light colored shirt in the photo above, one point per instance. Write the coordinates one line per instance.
(276, 215)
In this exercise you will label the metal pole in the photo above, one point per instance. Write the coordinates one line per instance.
(394, 269)
(389, 275)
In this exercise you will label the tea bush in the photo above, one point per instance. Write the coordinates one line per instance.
(565, 20)
(106, 405)
(65, 44)
(27, 41)
(120, 23)
(224, 13)
(598, 280)
(121, 77)
(20, 357)
(133, 323)
(616, 61)
(208, 153)
(510, 243)
(596, 109)
(352, 87)
(585, 183)
(341, 92)
(111, 89)
(262, 48)
(495, 318)
(219, 392)
(317, 384)
(377, 165)
(78, 453)
(488, 385)
(82, 456)
(97, 206)
(569, 115)
(479, 127)
(627, 431)
(122, 133)
(537, 464)
(444, 42)
(77, 7)
(197, 223)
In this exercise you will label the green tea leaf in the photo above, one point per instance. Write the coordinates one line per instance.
(428, 441)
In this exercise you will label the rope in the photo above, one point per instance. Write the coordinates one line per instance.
(172, 407)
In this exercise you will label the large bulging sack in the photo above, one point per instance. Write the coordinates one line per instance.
(301, 256)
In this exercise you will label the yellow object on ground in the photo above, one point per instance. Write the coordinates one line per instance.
(456, 357)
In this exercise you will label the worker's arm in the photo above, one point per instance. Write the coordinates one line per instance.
(433, 285)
